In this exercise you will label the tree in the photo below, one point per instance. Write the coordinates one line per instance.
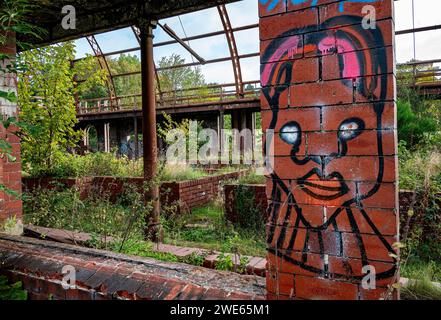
(46, 98)
(129, 84)
(13, 22)
(178, 78)
(171, 79)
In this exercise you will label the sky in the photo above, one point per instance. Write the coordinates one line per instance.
(427, 44)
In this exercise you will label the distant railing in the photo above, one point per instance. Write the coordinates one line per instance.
(413, 76)
(167, 99)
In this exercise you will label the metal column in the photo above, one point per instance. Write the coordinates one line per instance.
(106, 137)
(136, 142)
(149, 127)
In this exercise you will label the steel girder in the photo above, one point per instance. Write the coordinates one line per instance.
(104, 66)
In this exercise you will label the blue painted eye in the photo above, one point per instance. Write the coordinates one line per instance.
(350, 128)
(290, 133)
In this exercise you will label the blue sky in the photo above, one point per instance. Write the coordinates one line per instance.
(428, 44)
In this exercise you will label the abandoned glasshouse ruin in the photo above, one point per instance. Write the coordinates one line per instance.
(232, 150)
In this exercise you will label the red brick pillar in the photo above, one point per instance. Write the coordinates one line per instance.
(328, 92)
(10, 171)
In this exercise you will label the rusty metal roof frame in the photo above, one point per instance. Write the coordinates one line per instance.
(228, 31)
(104, 66)
(235, 59)
(97, 16)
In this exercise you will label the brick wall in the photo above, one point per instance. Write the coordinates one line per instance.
(406, 199)
(328, 92)
(103, 275)
(10, 171)
(259, 196)
(187, 194)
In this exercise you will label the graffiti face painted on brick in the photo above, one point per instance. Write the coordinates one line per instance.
(320, 169)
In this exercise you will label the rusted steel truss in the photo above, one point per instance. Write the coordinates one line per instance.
(235, 59)
(104, 66)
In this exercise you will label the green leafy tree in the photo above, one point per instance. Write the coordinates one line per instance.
(126, 85)
(178, 78)
(13, 22)
(47, 102)
(129, 84)
(170, 79)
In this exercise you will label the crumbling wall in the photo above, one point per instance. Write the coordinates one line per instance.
(56, 271)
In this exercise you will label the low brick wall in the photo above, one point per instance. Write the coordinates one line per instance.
(103, 275)
(230, 192)
(187, 194)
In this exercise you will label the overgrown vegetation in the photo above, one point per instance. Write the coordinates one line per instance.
(46, 97)
(207, 228)
(11, 291)
(419, 130)
(118, 225)
(104, 218)
(252, 178)
(108, 164)
(12, 21)
(249, 213)
(421, 285)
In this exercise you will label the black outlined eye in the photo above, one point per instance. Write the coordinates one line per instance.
(350, 128)
(290, 133)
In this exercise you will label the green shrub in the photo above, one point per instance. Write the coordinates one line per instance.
(11, 291)
(224, 262)
(108, 164)
(420, 172)
(194, 259)
(412, 127)
(249, 215)
(64, 209)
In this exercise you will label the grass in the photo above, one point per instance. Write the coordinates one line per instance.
(418, 269)
(141, 248)
(215, 233)
(421, 289)
(422, 275)
(181, 173)
(252, 178)
(211, 213)
(108, 164)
